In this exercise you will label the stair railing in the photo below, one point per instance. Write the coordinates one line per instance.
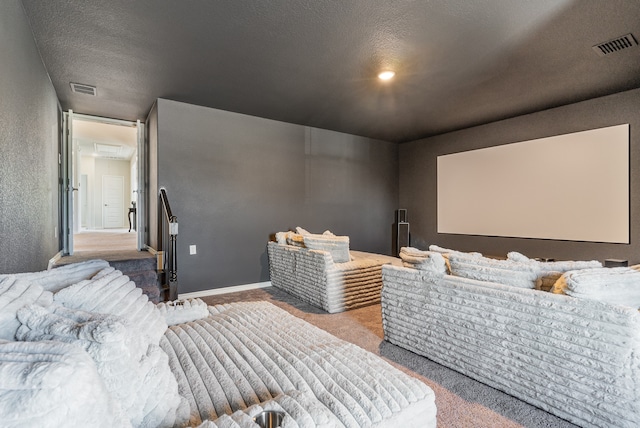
(167, 246)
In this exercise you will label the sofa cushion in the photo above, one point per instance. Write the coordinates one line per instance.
(443, 250)
(16, 293)
(446, 252)
(507, 272)
(555, 266)
(53, 384)
(619, 285)
(337, 246)
(423, 260)
(550, 272)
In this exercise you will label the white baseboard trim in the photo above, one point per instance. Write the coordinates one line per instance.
(225, 290)
(53, 260)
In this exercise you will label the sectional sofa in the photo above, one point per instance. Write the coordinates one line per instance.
(573, 351)
(322, 271)
(82, 346)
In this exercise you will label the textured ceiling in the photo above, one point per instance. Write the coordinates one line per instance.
(459, 63)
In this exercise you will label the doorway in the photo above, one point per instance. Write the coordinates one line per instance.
(104, 181)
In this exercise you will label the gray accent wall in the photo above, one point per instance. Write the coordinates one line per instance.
(151, 145)
(29, 127)
(235, 180)
(418, 177)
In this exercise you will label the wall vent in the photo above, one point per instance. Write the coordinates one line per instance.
(615, 45)
(81, 88)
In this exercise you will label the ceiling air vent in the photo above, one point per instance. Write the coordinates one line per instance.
(81, 88)
(615, 45)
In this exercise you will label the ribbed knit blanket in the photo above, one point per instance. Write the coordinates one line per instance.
(249, 353)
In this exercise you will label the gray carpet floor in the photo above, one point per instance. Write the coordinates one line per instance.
(462, 402)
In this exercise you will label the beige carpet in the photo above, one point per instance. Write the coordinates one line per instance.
(461, 401)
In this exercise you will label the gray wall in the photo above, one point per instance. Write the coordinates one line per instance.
(29, 149)
(234, 180)
(151, 152)
(418, 176)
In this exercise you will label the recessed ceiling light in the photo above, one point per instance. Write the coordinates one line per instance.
(386, 75)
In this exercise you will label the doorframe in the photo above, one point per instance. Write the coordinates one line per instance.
(143, 187)
(67, 179)
(67, 184)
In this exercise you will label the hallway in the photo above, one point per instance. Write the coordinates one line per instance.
(106, 244)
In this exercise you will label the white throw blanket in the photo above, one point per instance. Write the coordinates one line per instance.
(111, 292)
(56, 279)
(14, 294)
(143, 386)
(51, 385)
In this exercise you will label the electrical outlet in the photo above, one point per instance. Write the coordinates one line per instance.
(192, 249)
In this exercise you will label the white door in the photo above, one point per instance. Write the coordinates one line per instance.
(112, 201)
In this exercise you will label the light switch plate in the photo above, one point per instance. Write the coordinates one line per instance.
(192, 249)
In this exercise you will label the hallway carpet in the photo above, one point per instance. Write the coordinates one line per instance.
(462, 402)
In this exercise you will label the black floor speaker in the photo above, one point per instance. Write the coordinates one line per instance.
(400, 232)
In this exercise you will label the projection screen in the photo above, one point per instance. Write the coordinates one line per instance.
(567, 187)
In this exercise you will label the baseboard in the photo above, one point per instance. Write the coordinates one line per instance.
(224, 290)
(53, 260)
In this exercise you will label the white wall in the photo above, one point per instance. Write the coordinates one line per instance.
(96, 168)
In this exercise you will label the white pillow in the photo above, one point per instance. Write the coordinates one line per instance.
(53, 384)
(337, 246)
(181, 311)
(507, 272)
(423, 260)
(302, 231)
(446, 252)
(15, 294)
(290, 238)
(518, 257)
(550, 272)
(555, 266)
(619, 285)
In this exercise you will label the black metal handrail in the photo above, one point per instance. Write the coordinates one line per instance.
(167, 246)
